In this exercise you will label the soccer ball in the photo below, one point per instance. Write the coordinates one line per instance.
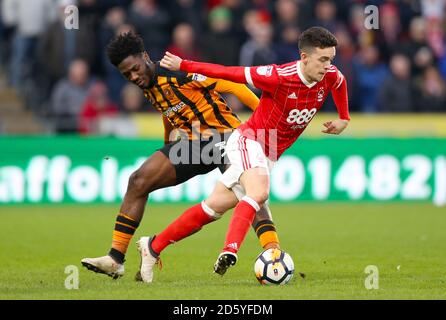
(274, 266)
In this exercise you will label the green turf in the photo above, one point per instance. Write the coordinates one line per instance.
(331, 244)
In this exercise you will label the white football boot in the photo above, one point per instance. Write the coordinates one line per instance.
(105, 265)
(148, 259)
(224, 261)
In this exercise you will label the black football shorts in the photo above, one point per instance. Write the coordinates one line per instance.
(194, 157)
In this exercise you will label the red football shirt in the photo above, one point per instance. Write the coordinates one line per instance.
(288, 102)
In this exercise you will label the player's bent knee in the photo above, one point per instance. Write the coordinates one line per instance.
(139, 184)
(260, 197)
(263, 214)
(211, 211)
(219, 204)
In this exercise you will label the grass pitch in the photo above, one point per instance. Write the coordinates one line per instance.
(331, 244)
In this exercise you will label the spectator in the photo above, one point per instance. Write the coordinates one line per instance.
(395, 93)
(356, 21)
(153, 24)
(237, 9)
(325, 14)
(184, 43)
(114, 18)
(416, 42)
(69, 96)
(60, 46)
(187, 11)
(220, 45)
(407, 10)
(30, 19)
(132, 99)
(287, 17)
(114, 24)
(369, 75)
(423, 59)
(431, 91)
(286, 31)
(124, 123)
(286, 48)
(96, 106)
(434, 13)
(388, 35)
(90, 15)
(259, 49)
(252, 18)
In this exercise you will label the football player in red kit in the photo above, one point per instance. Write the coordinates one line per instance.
(292, 94)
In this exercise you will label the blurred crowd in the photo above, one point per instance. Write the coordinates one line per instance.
(64, 75)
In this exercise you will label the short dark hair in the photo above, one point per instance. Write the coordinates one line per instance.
(124, 45)
(316, 37)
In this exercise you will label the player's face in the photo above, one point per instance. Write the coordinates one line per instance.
(135, 69)
(317, 62)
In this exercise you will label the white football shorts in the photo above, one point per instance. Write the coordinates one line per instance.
(243, 154)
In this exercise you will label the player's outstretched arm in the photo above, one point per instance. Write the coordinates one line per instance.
(171, 62)
(174, 63)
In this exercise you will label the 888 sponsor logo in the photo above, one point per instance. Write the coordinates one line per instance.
(300, 117)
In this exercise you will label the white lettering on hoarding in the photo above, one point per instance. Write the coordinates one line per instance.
(383, 178)
(288, 178)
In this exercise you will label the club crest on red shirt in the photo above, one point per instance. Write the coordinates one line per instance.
(265, 71)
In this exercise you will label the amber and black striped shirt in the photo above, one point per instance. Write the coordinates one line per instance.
(192, 100)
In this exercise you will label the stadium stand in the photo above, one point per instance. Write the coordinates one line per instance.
(398, 68)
